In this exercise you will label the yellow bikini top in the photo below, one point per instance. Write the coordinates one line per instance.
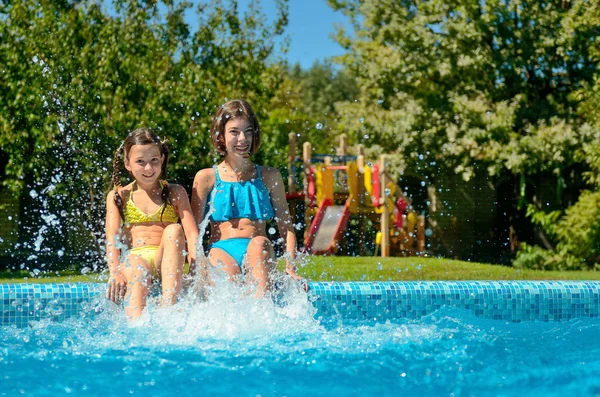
(134, 215)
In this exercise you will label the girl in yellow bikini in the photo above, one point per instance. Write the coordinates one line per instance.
(144, 240)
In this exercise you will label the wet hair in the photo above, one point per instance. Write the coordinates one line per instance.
(141, 136)
(234, 109)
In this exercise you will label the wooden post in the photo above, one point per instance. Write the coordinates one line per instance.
(306, 160)
(360, 150)
(343, 149)
(306, 154)
(385, 216)
(353, 187)
(291, 159)
(360, 191)
(328, 182)
(360, 163)
(421, 234)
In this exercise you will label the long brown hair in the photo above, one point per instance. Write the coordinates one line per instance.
(234, 109)
(141, 136)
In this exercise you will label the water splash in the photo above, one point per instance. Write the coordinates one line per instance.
(260, 347)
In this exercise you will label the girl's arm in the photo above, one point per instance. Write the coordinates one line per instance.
(203, 183)
(184, 211)
(274, 182)
(117, 282)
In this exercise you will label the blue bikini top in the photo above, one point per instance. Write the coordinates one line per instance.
(234, 200)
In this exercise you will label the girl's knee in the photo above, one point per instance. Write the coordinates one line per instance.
(136, 269)
(142, 276)
(173, 231)
(260, 243)
(260, 249)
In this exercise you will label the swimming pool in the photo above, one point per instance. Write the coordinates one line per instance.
(426, 338)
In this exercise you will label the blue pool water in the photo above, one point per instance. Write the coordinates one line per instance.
(232, 344)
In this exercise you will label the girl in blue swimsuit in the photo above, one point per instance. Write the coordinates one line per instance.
(240, 197)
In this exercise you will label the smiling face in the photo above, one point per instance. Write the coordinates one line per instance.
(144, 162)
(233, 114)
(239, 134)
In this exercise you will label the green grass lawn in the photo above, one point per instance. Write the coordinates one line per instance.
(426, 269)
(318, 268)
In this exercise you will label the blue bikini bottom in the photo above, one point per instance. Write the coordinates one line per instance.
(234, 247)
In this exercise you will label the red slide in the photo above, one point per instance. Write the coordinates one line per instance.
(327, 228)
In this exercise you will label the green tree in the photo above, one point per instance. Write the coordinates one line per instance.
(304, 104)
(475, 88)
(75, 79)
(575, 232)
(456, 77)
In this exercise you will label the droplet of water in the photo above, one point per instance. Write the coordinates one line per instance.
(362, 119)
(33, 193)
(271, 230)
(319, 126)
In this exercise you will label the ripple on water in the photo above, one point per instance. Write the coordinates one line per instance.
(233, 342)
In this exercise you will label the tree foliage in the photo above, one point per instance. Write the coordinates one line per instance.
(488, 88)
(577, 233)
(75, 78)
(493, 88)
(481, 85)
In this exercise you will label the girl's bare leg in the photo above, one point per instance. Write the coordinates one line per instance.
(138, 276)
(222, 260)
(260, 264)
(170, 259)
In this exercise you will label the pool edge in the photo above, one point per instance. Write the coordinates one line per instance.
(513, 301)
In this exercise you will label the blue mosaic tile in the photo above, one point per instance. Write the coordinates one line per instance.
(514, 301)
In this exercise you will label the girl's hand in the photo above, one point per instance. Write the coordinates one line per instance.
(292, 273)
(117, 287)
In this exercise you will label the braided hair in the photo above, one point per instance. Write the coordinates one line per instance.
(140, 136)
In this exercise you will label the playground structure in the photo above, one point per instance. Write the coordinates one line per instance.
(338, 187)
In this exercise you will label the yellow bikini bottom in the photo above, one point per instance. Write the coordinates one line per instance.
(147, 253)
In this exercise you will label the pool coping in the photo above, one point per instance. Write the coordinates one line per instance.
(513, 301)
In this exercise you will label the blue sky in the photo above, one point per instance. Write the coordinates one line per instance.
(311, 23)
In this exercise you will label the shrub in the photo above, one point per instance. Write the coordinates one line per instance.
(576, 233)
